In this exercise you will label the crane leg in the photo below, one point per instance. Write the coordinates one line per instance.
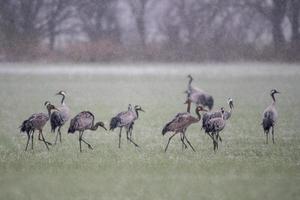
(219, 137)
(273, 135)
(267, 137)
(128, 138)
(28, 138)
(79, 139)
(59, 134)
(170, 140)
(56, 138)
(215, 145)
(188, 142)
(184, 146)
(120, 137)
(32, 134)
(89, 146)
(130, 132)
(43, 139)
(213, 139)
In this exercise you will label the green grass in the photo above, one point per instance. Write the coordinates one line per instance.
(243, 168)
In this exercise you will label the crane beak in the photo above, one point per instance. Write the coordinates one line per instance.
(142, 110)
(104, 127)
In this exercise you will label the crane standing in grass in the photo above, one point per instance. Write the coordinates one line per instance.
(37, 121)
(215, 126)
(217, 114)
(126, 119)
(270, 116)
(84, 121)
(180, 123)
(198, 96)
(59, 118)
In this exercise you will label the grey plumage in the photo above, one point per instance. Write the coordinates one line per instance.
(81, 122)
(270, 116)
(26, 126)
(37, 121)
(59, 118)
(126, 119)
(180, 123)
(214, 126)
(217, 114)
(198, 96)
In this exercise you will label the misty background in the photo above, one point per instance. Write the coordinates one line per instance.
(149, 30)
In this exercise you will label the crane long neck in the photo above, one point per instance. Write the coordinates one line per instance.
(190, 84)
(231, 109)
(273, 98)
(189, 107)
(94, 127)
(63, 99)
(198, 114)
(49, 112)
(137, 113)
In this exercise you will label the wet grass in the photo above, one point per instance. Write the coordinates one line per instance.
(243, 168)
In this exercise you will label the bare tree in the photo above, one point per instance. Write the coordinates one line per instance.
(274, 12)
(98, 19)
(57, 12)
(25, 23)
(21, 25)
(277, 16)
(294, 18)
(139, 9)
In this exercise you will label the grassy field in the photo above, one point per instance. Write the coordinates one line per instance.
(243, 168)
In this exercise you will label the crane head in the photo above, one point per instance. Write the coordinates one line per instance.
(138, 108)
(222, 110)
(101, 124)
(230, 103)
(63, 93)
(49, 106)
(200, 108)
(190, 77)
(274, 91)
(129, 107)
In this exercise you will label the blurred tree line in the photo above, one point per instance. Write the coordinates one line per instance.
(151, 30)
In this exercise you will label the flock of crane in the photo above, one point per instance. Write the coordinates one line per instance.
(212, 122)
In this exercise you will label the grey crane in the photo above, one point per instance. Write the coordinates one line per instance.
(126, 119)
(198, 96)
(59, 118)
(84, 121)
(37, 121)
(180, 123)
(216, 114)
(215, 126)
(270, 116)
